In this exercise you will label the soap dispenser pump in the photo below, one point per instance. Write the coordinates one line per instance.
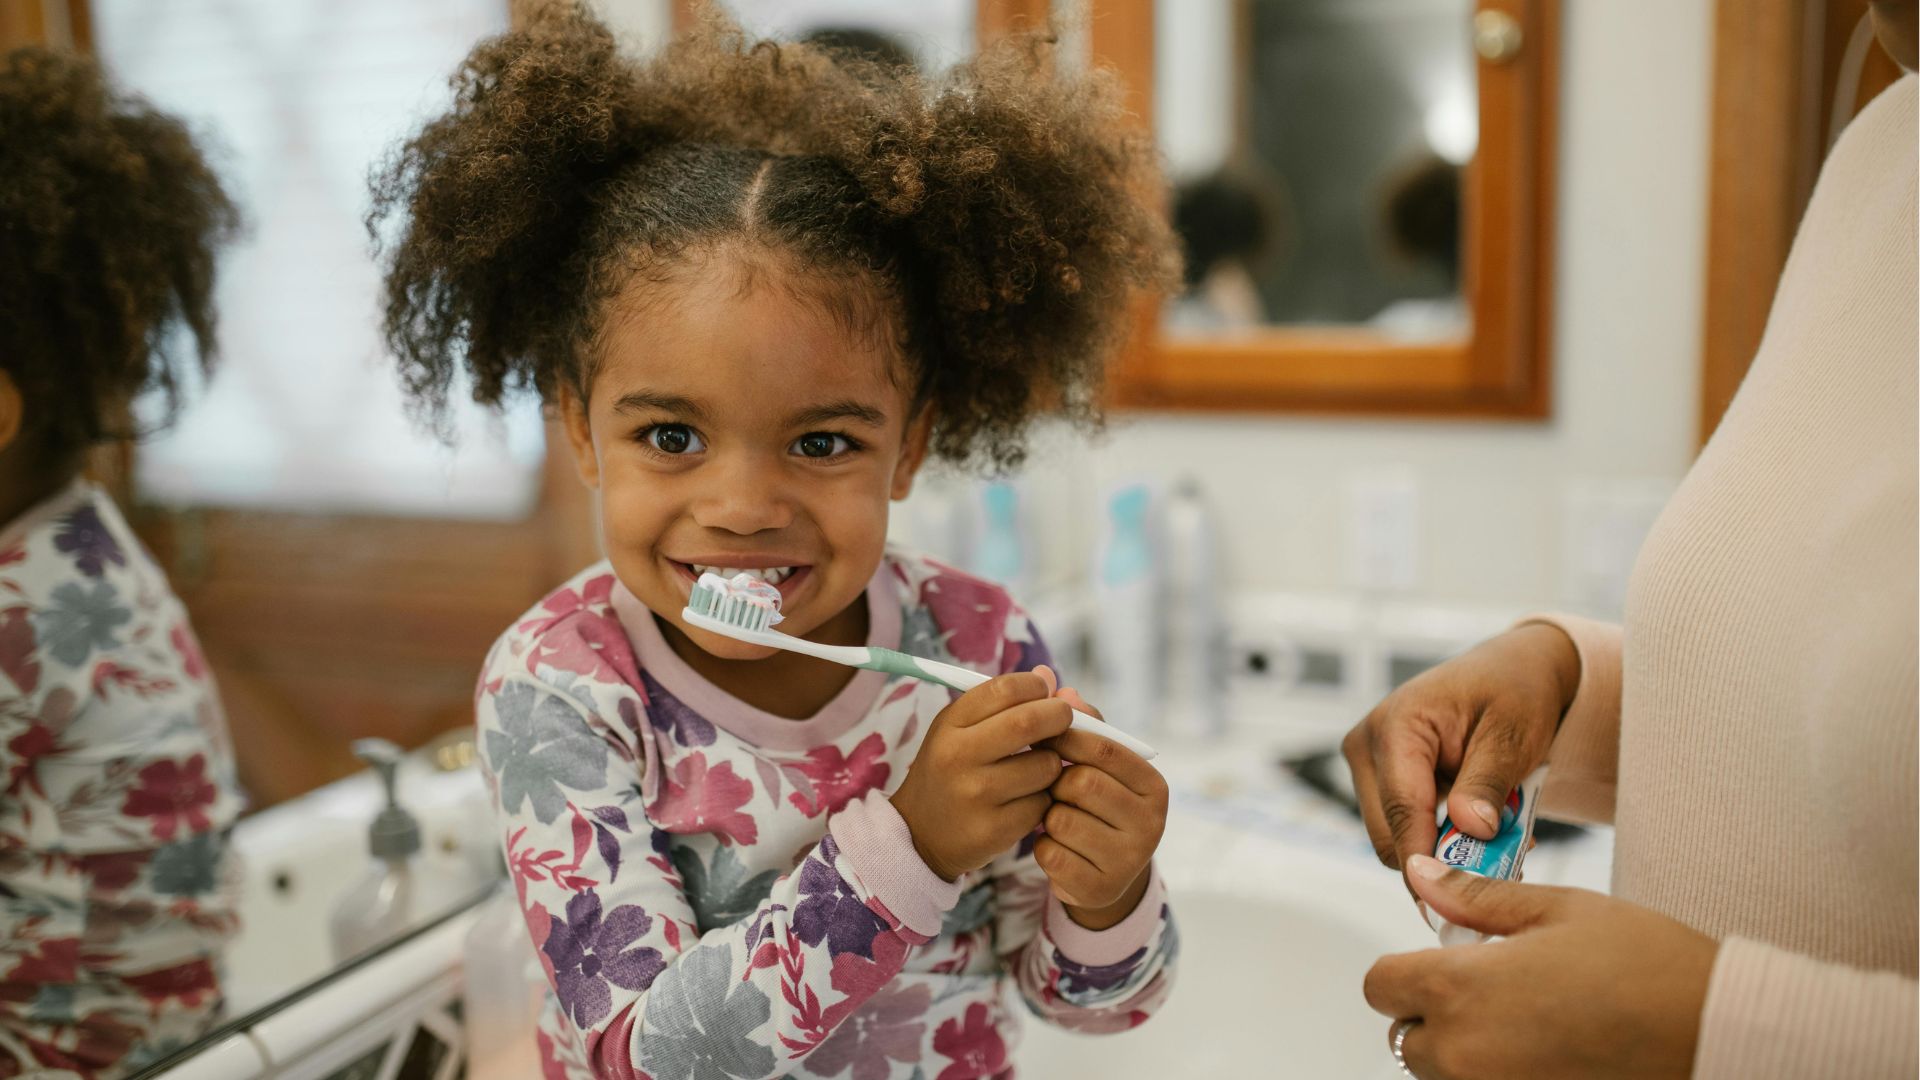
(387, 899)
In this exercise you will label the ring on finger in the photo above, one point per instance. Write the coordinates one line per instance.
(1400, 1029)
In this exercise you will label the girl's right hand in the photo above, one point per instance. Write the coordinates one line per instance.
(977, 788)
(1484, 719)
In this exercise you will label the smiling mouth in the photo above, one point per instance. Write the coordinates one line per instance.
(784, 578)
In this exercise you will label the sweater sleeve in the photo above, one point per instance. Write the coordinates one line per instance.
(1090, 981)
(1584, 761)
(1776, 1014)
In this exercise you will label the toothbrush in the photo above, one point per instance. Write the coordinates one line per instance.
(746, 611)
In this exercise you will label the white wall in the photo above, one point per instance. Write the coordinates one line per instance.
(1493, 497)
(1627, 288)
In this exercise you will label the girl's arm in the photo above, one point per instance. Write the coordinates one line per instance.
(612, 921)
(1092, 981)
(1069, 976)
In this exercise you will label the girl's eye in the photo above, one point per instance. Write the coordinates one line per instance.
(821, 444)
(672, 439)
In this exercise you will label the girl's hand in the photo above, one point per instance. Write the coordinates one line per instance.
(1108, 813)
(976, 790)
(1484, 718)
(1583, 986)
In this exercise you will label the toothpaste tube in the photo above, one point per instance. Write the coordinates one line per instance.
(1499, 857)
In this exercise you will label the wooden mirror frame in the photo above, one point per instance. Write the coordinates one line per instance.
(1501, 369)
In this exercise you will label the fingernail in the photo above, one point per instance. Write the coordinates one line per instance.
(1485, 812)
(1426, 866)
(1053, 681)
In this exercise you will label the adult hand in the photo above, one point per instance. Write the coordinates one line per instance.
(1108, 813)
(1583, 985)
(1484, 720)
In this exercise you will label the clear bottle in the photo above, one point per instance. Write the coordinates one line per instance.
(393, 895)
(503, 992)
(1196, 625)
(1128, 626)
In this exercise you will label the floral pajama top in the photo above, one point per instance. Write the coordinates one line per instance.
(716, 892)
(116, 788)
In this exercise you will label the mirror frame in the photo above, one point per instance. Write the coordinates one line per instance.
(1502, 369)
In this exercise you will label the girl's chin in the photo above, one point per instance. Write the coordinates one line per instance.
(724, 647)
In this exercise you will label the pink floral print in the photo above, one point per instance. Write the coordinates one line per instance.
(116, 787)
(706, 905)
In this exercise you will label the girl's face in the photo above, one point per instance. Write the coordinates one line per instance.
(734, 426)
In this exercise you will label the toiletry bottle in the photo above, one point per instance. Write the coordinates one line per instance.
(1127, 642)
(392, 895)
(1196, 628)
(1001, 555)
(504, 989)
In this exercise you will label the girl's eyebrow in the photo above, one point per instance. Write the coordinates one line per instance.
(839, 410)
(642, 400)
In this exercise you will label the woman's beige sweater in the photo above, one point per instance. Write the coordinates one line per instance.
(1750, 730)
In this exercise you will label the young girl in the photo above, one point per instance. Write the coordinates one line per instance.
(116, 777)
(758, 285)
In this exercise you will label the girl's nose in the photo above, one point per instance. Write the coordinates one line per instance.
(743, 497)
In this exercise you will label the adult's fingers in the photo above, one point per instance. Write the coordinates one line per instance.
(1502, 750)
(1025, 773)
(1418, 1051)
(995, 696)
(1405, 756)
(1132, 770)
(1406, 984)
(1357, 747)
(1489, 905)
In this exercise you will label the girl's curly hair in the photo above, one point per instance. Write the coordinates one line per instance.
(1002, 214)
(109, 223)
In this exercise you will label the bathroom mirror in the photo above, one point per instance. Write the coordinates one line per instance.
(1316, 149)
(1363, 191)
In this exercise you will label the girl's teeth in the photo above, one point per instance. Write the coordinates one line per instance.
(772, 575)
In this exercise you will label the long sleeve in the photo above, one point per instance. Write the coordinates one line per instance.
(1584, 761)
(619, 934)
(1083, 980)
(1772, 1014)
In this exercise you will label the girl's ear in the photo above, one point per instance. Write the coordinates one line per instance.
(913, 453)
(13, 411)
(573, 417)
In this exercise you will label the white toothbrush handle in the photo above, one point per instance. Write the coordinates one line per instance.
(963, 679)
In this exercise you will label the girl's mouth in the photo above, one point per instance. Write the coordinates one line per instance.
(786, 577)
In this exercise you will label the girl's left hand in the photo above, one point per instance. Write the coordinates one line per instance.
(1108, 812)
(1583, 986)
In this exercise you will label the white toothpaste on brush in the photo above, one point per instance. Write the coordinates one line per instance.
(1499, 857)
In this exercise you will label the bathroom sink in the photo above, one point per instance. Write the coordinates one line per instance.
(1274, 942)
(297, 857)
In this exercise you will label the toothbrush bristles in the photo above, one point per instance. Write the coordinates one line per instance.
(732, 610)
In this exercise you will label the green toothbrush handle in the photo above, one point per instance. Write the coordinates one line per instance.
(961, 679)
(947, 675)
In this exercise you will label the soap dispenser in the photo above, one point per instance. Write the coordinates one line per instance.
(393, 895)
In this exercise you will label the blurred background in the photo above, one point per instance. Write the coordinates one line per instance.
(1450, 336)
(1469, 283)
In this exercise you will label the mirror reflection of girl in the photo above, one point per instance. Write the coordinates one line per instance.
(116, 776)
(759, 286)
